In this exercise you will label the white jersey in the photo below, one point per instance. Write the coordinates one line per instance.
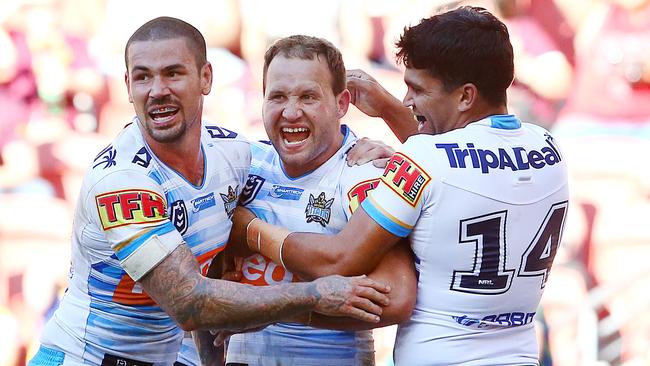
(485, 207)
(133, 211)
(321, 201)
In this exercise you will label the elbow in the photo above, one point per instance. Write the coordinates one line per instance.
(402, 302)
(400, 309)
(187, 326)
(187, 312)
(184, 317)
(406, 307)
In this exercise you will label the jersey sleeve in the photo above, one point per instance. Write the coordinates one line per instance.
(130, 209)
(398, 200)
(356, 183)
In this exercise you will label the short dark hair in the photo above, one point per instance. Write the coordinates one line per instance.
(163, 28)
(309, 48)
(465, 45)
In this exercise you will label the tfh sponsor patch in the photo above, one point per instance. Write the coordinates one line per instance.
(359, 192)
(128, 207)
(405, 178)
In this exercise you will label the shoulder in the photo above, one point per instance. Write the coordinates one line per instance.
(357, 181)
(228, 142)
(213, 132)
(127, 154)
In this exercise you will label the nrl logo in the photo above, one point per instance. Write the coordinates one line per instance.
(319, 209)
(178, 216)
(229, 200)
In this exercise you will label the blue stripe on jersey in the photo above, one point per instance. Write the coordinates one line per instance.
(112, 270)
(383, 220)
(111, 307)
(157, 177)
(204, 236)
(47, 357)
(124, 252)
(126, 329)
(261, 148)
(505, 122)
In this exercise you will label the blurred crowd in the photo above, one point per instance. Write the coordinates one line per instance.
(582, 70)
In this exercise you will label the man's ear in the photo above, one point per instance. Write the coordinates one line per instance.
(342, 103)
(468, 97)
(127, 81)
(206, 78)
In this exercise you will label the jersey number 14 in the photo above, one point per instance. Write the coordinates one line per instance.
(487, 233)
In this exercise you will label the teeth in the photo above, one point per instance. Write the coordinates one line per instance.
(294, 130)
(292, 143)
(164, 110)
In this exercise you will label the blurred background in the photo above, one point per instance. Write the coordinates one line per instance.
(582, 70)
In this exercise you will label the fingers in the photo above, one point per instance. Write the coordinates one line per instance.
(380, 163)
(369, 296)
(378, 289)
(366, 150)
(220, 337)
(358, 74)
(354, 312)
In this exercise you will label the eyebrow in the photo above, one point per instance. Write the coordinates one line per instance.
(165, 69)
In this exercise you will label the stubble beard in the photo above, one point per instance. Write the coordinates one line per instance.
(167, 135)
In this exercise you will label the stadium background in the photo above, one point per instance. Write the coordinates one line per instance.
(583, 70)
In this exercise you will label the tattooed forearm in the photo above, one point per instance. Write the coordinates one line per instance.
(196, 302)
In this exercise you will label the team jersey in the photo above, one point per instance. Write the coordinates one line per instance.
(484, 207)
(320, 201)
(132, 212)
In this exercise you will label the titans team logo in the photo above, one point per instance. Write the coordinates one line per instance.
(229, 200)
(178, 216)
(319, 209)
(251, 189)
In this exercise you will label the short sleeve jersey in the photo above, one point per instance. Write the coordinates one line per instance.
(321, 201)
(484, 207)
(133, 211)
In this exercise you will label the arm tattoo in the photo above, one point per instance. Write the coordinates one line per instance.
(196, 302)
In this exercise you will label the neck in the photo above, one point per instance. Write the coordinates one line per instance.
(184, 156)
(481, 113)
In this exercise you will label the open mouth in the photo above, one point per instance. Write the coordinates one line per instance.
(163, 113)
(421, 120)
(295, 136)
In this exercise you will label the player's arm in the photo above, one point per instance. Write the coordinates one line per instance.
(357, 249)
(374, 100)
(211, 354)
(198, 302)
(397, 270)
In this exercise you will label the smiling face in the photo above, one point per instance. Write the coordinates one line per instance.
(166, 88)
(301, 113)
(436, 110)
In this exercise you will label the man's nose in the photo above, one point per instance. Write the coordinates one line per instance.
(292, 110)
(159, 88)
(408, 100)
